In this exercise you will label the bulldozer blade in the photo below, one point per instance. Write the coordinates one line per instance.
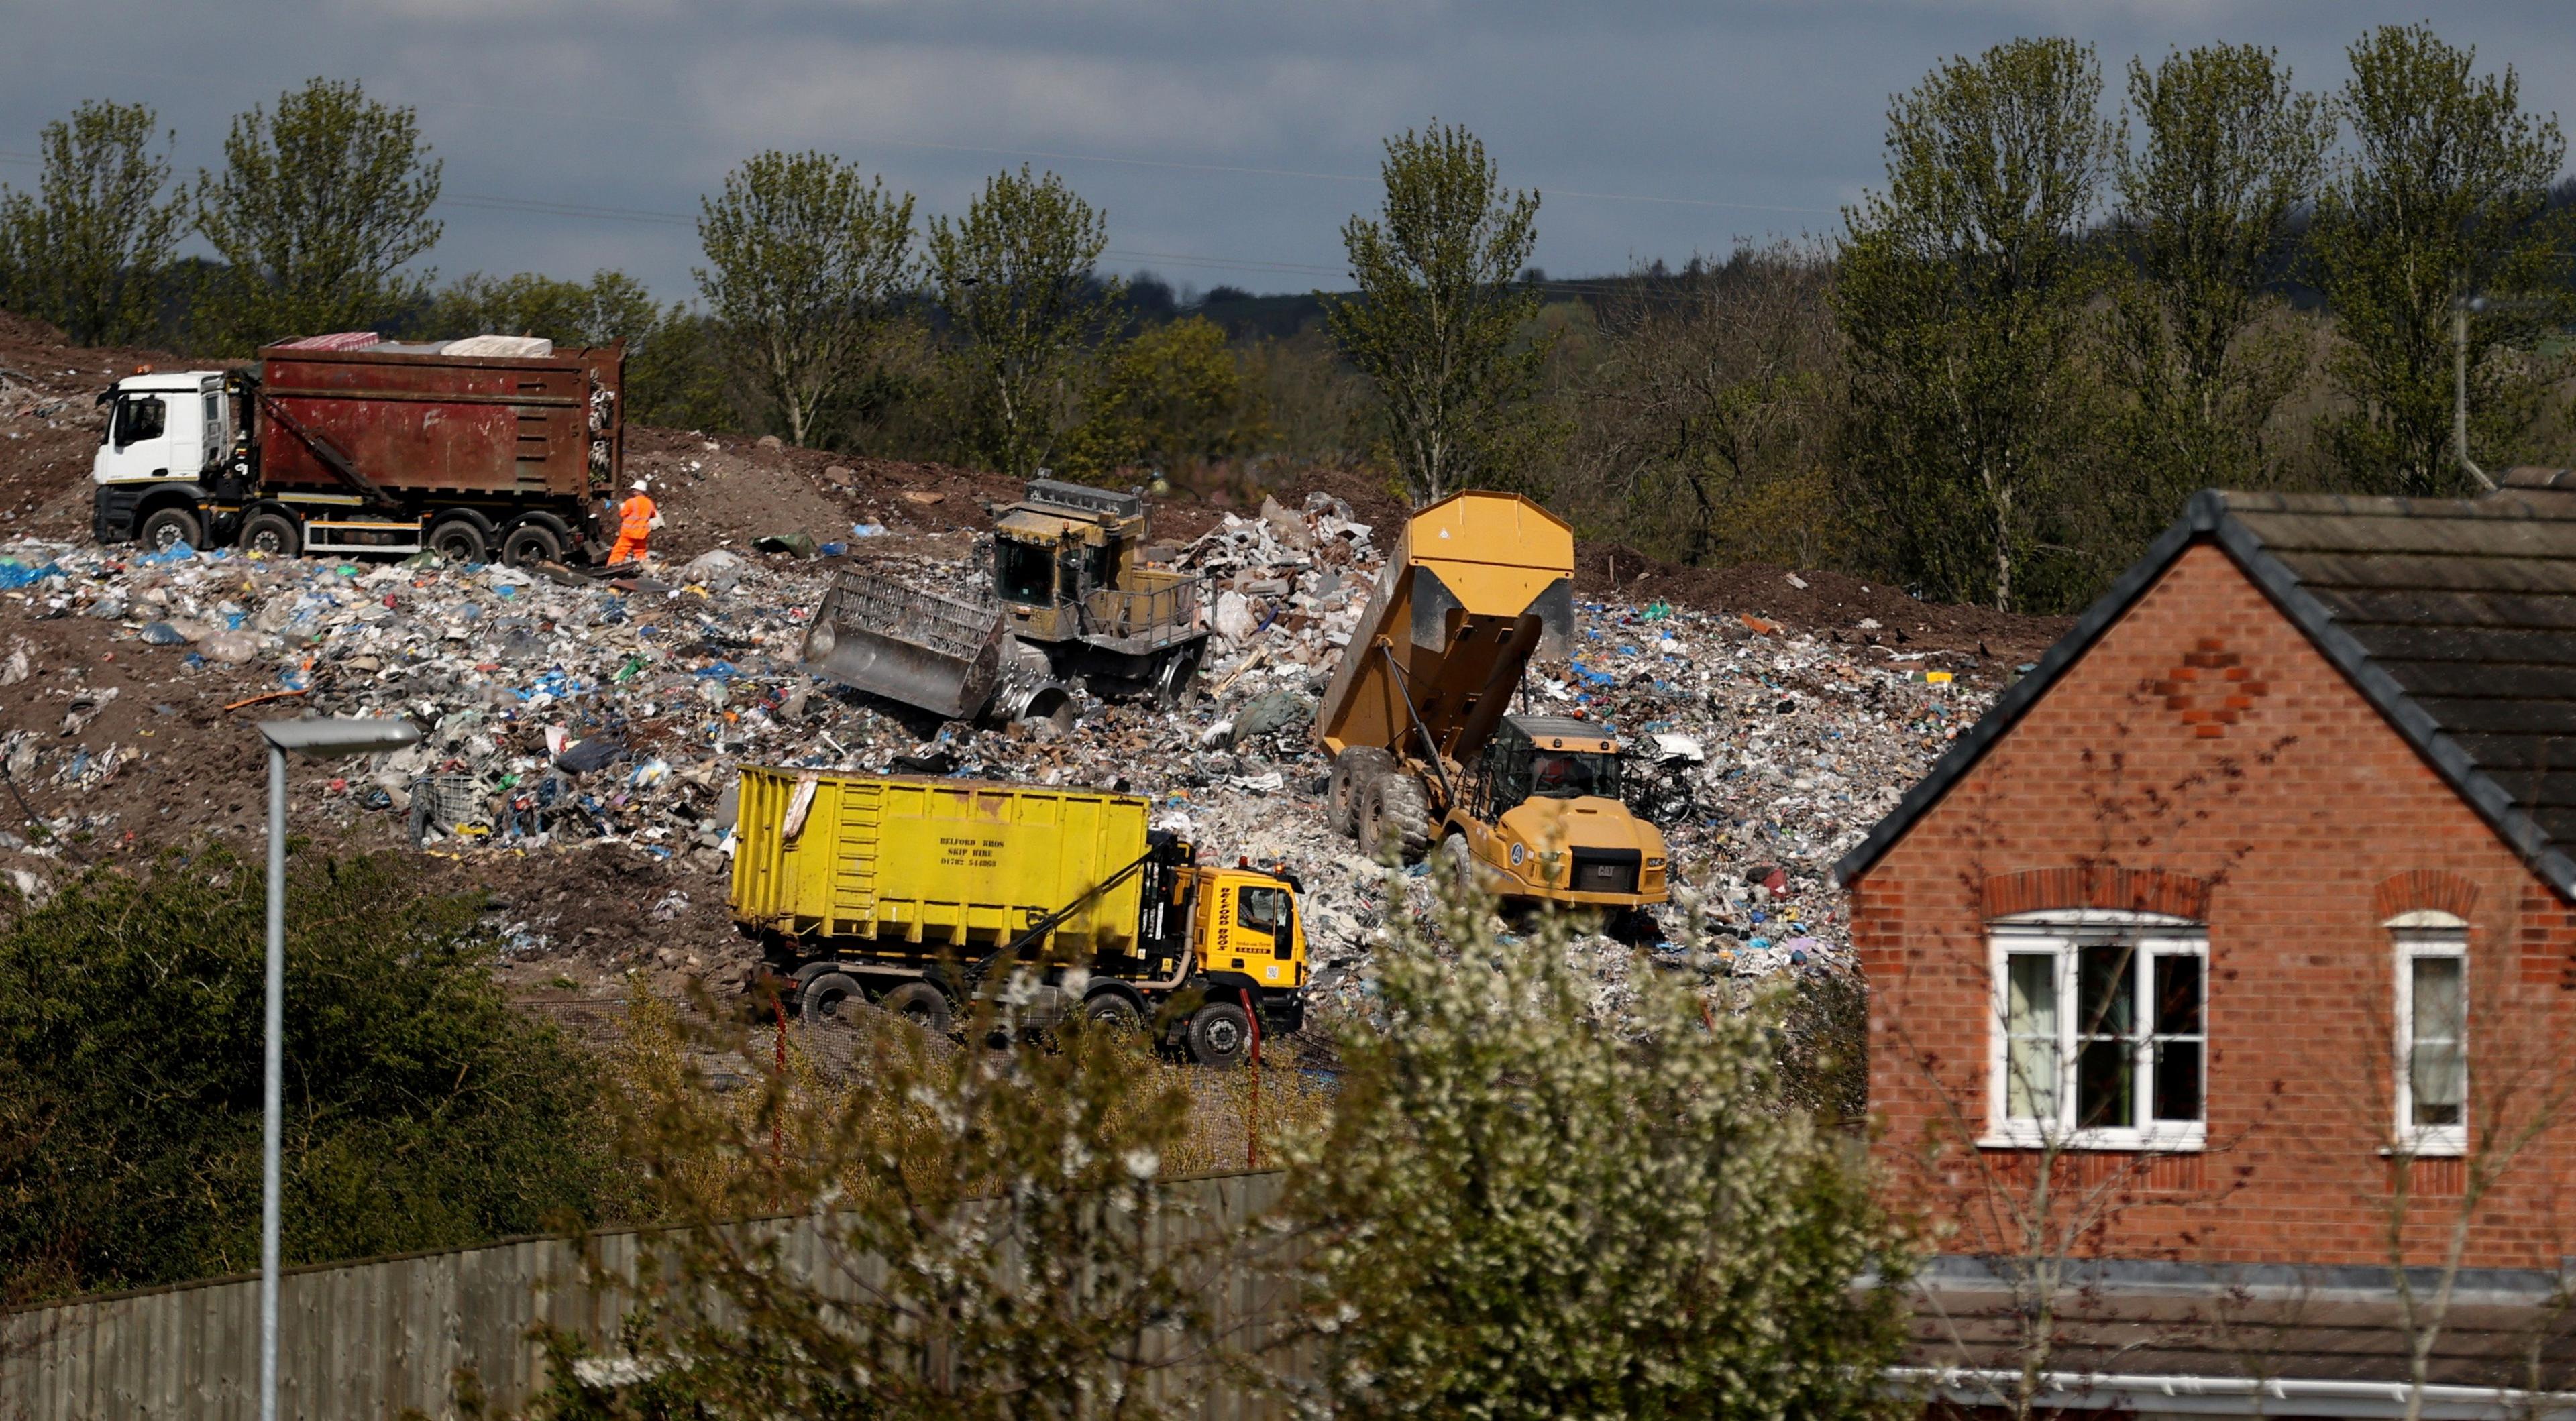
(880, 636)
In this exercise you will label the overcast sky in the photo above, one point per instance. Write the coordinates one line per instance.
(1227, 142)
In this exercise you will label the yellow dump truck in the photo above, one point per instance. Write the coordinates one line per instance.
(915, 893)
(1426, 756)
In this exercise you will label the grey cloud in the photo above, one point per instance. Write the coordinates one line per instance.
(1726, 112)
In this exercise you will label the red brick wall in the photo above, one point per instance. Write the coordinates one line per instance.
(2204, 760)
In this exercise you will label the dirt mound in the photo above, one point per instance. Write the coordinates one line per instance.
(49, 423)
(1833, 603)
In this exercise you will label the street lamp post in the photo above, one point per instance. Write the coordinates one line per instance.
(317, 739)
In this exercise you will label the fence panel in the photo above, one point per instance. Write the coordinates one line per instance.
(373, 1339)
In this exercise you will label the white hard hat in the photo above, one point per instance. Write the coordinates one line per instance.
(638, 485)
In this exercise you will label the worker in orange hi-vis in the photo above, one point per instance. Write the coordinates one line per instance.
(636, 520)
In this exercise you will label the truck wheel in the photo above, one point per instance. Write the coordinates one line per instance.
(1113, 1011)
(530, 544)
(1458, 865)
(921, 1004)
(827, 998)
(272, 535)
(1353, 769)
(167, 528)
(1220, 1034)
(459, 540)
(1395, 817)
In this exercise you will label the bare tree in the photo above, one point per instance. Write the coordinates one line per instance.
(1706, 412)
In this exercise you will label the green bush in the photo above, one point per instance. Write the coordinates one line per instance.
(421, 1111)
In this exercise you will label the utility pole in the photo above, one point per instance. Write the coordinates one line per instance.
(315, 739)
(2461, 310)
(2460, 387)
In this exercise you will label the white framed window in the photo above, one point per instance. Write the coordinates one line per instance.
(2101, 1036)
(2432, 1045)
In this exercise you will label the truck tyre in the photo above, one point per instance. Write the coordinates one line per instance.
(1220, 1035)
(921, 1004)
(1353, 770)
(827, 999)
(271, 534)
(167, 528)
(1113, 1011)
(529, 544)
(1458, 865)
(459, 540)
(1395, 818)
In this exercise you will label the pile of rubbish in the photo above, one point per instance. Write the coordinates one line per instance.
(561, 713)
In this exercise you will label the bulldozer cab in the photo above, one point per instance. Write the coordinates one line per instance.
(1543, 757)
(1060, 545)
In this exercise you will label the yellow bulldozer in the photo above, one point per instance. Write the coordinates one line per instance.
(1427, 757)
(1072, 597)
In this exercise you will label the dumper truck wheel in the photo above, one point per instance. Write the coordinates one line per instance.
(1395, 817)
(459, 540)
(1353, 769)
(271, 534)
(530, 544)
(1458, 864)
(827, 999)
(1220, 1034)
(1114, 1012)
(921, 1004)
(169, 527)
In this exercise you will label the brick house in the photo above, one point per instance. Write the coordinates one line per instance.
(2227, 963)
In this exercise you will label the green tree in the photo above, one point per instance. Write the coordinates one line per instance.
(674, 369)
(2207, 207)
(1438, 323)
(1710, 407)
(804, 260)
(314, 217)
(1000, 1211)
(1014, 277)
(88, 248)
(422, 1111)
(2444, 195)
(1523, 1210)
(1962, 301)
(1171, 397)
(611, 306)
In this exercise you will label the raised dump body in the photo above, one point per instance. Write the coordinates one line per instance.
(916, 893)
(1478, 586)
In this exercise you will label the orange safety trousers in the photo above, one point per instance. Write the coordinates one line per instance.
(634, 525)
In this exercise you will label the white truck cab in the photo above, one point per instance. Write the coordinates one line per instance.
(165, 431)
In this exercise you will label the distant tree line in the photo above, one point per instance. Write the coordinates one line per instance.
(2058, 316)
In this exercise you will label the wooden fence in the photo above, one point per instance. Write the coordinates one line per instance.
(361, 1341)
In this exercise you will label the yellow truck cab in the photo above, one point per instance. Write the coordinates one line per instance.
(1544, 817)
(918, 893)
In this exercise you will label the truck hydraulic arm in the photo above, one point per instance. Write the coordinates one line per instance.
(1040, 927)
(1430, 747)
(327, 453)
